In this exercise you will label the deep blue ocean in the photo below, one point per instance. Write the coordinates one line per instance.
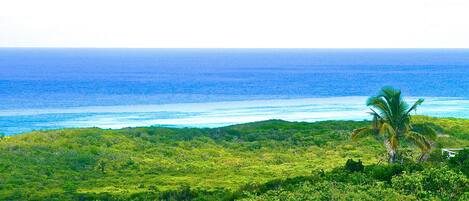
(113, 88)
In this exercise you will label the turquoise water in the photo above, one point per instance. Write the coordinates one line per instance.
(114, 88)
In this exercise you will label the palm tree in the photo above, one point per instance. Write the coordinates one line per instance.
(392, 123)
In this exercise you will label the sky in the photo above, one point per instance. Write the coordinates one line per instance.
(235, 23)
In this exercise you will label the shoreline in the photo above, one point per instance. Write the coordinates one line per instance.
(211, 114)
(419, 117)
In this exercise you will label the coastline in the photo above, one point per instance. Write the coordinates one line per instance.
(211, 114)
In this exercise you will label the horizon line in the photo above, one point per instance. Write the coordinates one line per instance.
(286, 48)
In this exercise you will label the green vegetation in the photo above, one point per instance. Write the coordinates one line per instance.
(460, 162)
(385, 182)
(392, 124)
(269, 160)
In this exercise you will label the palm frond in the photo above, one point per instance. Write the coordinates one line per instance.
(390, 134)
(392, 97)
(414, 106)
(425, 130)
(374, 113)
(386, 130)
(419, 140)
(381, 105)
(377, 119)
(362, 132)
(388, 93)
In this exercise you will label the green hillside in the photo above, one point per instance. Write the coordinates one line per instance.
(232, 162)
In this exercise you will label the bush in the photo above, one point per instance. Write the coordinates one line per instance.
(432, 183)
(354, 166)
(460, 162)
(386, 172)
(328, 190)
(436, 157)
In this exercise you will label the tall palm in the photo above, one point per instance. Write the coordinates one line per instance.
(392, 123)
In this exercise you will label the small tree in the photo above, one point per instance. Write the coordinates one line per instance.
(392, 123)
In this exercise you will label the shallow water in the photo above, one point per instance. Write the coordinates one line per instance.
(211, 114)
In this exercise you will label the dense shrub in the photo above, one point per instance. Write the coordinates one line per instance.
(387, 171)
(329, 190)
(354, 166)
(436, 157)
(460, 162)
(433, 183)
(409, 182)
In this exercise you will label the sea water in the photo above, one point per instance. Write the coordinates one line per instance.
(113, 88)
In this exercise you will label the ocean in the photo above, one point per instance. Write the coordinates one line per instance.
(51, 88)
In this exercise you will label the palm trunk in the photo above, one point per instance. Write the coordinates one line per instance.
(392, 153)
(392, 157)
